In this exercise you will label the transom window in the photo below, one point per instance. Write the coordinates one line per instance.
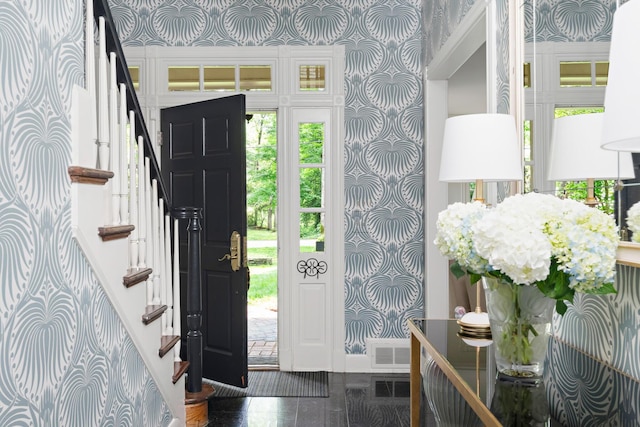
(583, 73)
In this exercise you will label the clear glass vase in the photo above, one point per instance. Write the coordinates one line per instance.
(520, 318)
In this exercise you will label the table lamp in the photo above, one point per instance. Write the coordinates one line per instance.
(622, 97)
(480, 147)
(576, 154)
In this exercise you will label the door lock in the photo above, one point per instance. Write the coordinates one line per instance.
(234, 247)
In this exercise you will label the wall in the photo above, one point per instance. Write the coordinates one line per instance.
(383, 146)
(64, 356)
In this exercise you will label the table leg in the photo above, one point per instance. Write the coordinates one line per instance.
(414, 382)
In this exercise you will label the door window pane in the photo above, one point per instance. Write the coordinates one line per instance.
(220, 78)
(575, 74)
(311, 142)
(134, 72)
(602, 73)
(255, 78)
(184, 78)
(311, 232)
(527, 74)
(312, 77)
(311, 187)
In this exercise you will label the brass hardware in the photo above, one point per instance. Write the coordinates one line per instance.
(245, 258)
(235, 247)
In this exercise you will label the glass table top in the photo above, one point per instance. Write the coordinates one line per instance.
(576, 390)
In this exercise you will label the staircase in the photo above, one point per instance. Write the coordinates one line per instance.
(121, 213)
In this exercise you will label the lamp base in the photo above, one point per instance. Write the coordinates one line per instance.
(475, 319)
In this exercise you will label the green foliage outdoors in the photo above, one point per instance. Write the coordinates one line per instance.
(262, 195)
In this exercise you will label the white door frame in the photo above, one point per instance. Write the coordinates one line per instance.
(477, 26)
(283, 98)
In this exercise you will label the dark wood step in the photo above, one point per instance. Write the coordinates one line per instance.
(179, 368)
(153, 312)
(166, 344)
(113, 232)
(135, 276)
(84, 175)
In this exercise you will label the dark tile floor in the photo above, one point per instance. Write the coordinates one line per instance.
(355, 400)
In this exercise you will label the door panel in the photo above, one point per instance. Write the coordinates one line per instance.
(203, 161)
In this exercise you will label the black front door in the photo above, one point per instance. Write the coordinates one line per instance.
(203, 162)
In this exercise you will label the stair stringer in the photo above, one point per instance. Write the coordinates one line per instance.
(109, 262)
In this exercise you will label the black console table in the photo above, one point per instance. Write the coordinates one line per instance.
(458, 382)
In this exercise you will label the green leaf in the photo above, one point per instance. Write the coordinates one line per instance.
(457, 270)
(474, 278)
(561, 307)
(607, 288)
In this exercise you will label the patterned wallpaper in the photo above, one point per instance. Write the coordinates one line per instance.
(441, 17)
(383, 149)
(65, 358)
(569, 20)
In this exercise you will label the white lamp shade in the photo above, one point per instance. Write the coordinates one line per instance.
(480, 146)
(622, 97)
(576, 154)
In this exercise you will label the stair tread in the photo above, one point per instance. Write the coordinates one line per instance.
(179, 368)
(83, 175)
(153, 312)
(166, 343)
(112, 232)
(135, 276)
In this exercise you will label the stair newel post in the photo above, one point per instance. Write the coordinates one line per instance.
(148, 208)
(194, 297)
(114, 146)
(103, 101)
(167, 274)
(177, 326)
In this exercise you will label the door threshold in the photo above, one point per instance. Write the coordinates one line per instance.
(264, 367)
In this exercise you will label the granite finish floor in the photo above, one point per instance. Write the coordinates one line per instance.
(355, 400)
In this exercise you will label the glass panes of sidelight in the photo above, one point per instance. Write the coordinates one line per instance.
(575, 74)
(221, 78)
(184, 78)
(311, 232)
(311, 142)
(311, 187)
(528, 156)
(602, 73)
(526, 74)
(312, 77)
(134, 72)
(255, 77)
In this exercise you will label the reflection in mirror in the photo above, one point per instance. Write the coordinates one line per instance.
(566, 63)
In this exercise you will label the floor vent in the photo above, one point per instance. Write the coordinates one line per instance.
(389, 353)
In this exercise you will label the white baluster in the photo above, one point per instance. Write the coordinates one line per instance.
(167, 274)
(176, 290)
(122, 157)
(114, 145)
(148, 212)
(154, 237)
(103, 101)
(90, 69)
(160, 263)
(133, 194)
(142, 223)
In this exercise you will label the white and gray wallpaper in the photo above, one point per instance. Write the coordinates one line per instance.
(65, 358)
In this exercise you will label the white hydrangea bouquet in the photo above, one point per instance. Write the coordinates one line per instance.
(633, 221)
(559, 245)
